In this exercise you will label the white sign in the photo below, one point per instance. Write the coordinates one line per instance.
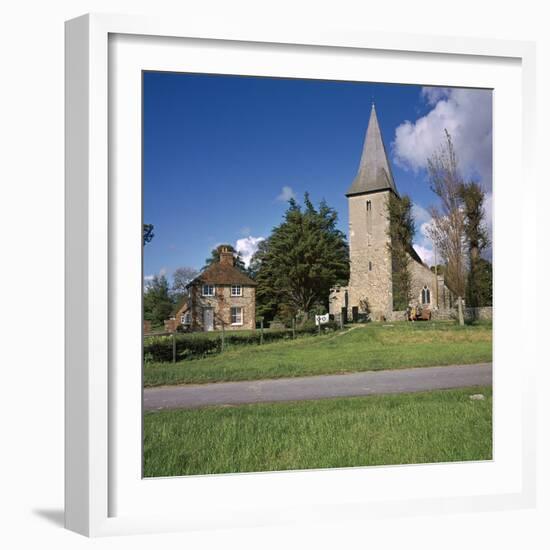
(321, 319)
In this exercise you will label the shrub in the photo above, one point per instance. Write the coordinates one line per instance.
(201, 344)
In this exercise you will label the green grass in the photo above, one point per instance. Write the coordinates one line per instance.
(437, 426)
(365, 347)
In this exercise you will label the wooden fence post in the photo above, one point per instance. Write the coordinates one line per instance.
(293, 328)
(223, 335)
(261, 331)
(173, 347)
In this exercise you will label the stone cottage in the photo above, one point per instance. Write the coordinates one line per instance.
(181, 316)
(370, 256)
(221, 296)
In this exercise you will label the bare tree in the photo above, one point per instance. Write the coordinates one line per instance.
(181, 278)
(447, 230)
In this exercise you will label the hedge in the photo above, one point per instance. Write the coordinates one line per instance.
(197, 345)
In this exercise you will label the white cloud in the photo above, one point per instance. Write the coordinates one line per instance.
(163, 271)
(420, 214)
(286, 194)
(426, 254)
(422, 242)
(247, 247)
(433, 94)
(467, 115)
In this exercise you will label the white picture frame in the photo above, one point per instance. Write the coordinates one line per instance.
(99, 499)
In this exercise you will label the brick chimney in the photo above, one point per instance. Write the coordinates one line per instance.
(226, 256)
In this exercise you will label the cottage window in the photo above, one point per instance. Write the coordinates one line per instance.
(425, 295)
(186, 319)
(236, 315)
(369, 206)
(236, 290)
(370, 266)
(208, 290)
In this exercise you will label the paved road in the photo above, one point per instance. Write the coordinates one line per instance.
(317, 387)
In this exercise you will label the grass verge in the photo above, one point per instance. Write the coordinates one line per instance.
(413, 428)
(364, 347)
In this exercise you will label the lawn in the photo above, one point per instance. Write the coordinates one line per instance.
(363, 347)
(437, 426)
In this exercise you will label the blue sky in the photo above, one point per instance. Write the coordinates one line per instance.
(222, 153)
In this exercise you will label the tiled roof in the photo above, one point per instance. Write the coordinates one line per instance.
(222, 274)
(180, 307)
(374, 172)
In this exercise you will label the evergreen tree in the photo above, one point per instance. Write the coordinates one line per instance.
(401, 233)
(305, 256)
(215, 257)
(477, 240)
(259, 270)
(157, 304)
(485, 282)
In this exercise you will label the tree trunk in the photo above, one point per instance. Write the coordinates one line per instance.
(460, 312)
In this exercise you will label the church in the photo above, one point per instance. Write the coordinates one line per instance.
(370, 282)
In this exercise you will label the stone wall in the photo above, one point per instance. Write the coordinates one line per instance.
(422, 276)
(447, 314)
(221, 303)
(370, 258)
(337, 300)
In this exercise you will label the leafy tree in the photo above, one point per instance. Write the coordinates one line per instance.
(215, 257)
(447, 230)
(401, 232)
(484, 282)
(147, 233)
(477, 240)
(181, 278)
(257, 258)
(305, 256)
(157, 303)
(440, 269)
(266, 298)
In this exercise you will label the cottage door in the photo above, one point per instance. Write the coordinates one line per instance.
(208, 318)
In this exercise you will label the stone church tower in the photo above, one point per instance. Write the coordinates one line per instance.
(370, 256)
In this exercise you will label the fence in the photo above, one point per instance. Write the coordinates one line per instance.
(174, 346)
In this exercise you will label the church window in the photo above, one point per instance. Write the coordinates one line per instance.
(369, 218)
(425, 295)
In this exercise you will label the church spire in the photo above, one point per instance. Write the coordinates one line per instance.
(374, 172)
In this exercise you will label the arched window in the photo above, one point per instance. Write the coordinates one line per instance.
(425, 295)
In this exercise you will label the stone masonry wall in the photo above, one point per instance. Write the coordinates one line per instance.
(222, 303)
(422, 276)
(370, 258)
(336, 300)
(447, 314)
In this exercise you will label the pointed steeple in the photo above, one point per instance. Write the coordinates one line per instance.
(374, 172)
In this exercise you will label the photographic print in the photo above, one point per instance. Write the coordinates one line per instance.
(317, 274)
